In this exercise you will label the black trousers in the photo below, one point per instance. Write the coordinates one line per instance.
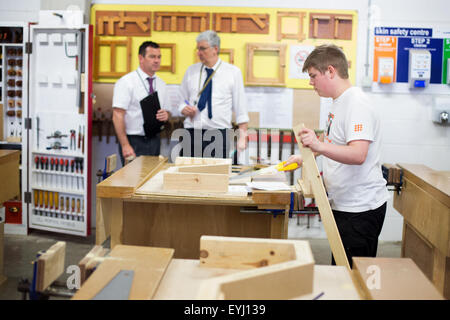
(205, 145)
(359, 232)
(143, 146)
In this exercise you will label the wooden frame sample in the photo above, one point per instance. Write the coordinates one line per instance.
(241, 23)
(251, 49)
(112, 44)
(204, 178)
(123, 23)
(273, 269)
(173, 53)
(300, 36)
(181, 21)
(330, 26)
(313, 178)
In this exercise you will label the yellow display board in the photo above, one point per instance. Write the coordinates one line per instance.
(265, 64)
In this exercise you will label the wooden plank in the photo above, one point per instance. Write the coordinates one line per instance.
(306, 108)
(208, 168)
(243, 253)
(187, 161)
(124, 182)
(197, 182)
(102, 220)
(263, 282)
(9, 171)
(393, 279)
(92, 259)
(322, 202)
(50, 265)
(148, 264)
(116, 222)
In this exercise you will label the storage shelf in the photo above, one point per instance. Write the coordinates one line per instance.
(59, 153)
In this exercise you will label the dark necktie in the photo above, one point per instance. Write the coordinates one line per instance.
(150, 81)
(205, 97)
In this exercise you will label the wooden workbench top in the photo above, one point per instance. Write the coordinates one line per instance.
(437, 183)
(127, 182)
(8, 155)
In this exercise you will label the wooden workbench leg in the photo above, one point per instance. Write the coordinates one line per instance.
(102, 220)
(279, 225)
(116, 222)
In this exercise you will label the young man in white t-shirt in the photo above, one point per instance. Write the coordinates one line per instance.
(351, 148)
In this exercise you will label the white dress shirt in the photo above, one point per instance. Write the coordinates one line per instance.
(228, 95)
(129, 90)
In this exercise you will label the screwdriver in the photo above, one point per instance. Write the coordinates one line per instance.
(50, 196)
(52, 162)
(62, 203)
(36, 198)
(56, 201)
(41, 196)
(46, 199)
(78, 205)
(67, 204)
(73, 204)
(36, 160)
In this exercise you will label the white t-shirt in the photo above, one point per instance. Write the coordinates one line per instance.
(228, 95)
(129, 90)
(354, 188)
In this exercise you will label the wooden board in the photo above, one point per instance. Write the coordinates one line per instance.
(209, 168)
(148, 264)
(90, 262)
(187, 161)
(50, 265)
(9, 171)
(123, 23)
(265, 280)
(306, 108)
(322, 202)
(393, 279)
(195, 182)
(241, 23)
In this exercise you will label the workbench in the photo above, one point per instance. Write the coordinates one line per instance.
(177, 220)
(424, 203)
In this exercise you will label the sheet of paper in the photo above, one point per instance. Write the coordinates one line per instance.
(269, 186)
(298, 55)
(273, 104)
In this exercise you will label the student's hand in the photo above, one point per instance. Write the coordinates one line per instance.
(189, 111)
(242, 143)
(309, 139)
(162, 115)
(294, 158)
(127, 151)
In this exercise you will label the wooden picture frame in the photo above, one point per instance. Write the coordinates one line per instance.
(112, 44)
(279, 80)
(300, 35)
(173, 51)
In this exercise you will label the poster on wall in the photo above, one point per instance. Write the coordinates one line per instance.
(298, 55)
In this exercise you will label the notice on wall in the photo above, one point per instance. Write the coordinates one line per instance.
(298, 55)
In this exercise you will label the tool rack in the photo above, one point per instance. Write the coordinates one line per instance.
(60, 117)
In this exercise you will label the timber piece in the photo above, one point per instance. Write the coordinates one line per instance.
(9, 171)
(393, 279)
(90, 261)
(191, 181)
(241, 23)
(181, 21)
(277, 80)
(112, 45)
(280, 269)
(330, 26)
(124, 182)
(2, 275)
(299, 34)
(188, 161)
(123, 23)
(148, 264)
(271, 197)
(173, 53)
(334, 239)
(50, 265)
(208, 168)
(305, 187)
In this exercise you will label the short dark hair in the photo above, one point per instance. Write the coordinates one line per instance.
(325, 55)
(144, 45)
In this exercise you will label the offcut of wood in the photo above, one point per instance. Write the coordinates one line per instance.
(50, 265)
(89, 262)
(269, 268)
(195, 181)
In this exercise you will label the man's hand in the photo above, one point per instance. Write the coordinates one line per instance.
(309, 139)
(162, 115)
(242, 143)
(294, 158)
(127, 151)
(189, 111)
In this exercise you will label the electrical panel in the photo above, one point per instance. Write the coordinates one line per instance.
(59, 112)
(419, 68)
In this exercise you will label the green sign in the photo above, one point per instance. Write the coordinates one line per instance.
(446, 55)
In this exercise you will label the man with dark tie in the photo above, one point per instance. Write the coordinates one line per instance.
(140, 104)
(210, 92)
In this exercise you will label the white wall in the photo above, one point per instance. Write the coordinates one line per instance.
(409, 135)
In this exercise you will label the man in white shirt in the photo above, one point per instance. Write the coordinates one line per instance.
(135, 92)
(210, 91)
(351, 148)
